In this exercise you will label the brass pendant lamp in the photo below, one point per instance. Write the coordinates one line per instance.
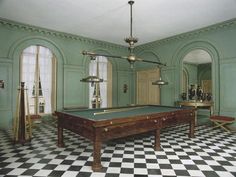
(131, 57)
(159, 81)
(92, 80)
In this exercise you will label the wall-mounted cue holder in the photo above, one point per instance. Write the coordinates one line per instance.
(1, 84)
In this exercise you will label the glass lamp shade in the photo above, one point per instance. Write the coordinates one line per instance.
(160, 82)
(91, 79)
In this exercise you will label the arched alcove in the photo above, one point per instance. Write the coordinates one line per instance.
(196, 65)
(15, 53)
(178, 62)
(112, 77)
(147, 55)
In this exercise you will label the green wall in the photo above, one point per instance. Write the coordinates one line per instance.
(204, 72)
(72, 66)
(218, 40)
(192, 71)
(197, 73)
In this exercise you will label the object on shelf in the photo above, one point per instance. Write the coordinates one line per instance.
(199, 93)
(184, 96)
(192, 92)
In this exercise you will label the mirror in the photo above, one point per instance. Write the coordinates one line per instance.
(197, 76)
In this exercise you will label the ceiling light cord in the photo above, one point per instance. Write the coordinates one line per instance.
(131, 18)
(131, 57)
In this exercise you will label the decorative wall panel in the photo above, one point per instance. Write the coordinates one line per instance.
(228, 86)
(74, 89)
(5, 93)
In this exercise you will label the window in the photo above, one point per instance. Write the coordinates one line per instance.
(104, 88)
(37, 71)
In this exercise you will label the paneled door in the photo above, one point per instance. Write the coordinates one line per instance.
(146, 92)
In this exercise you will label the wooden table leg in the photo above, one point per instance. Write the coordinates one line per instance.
(60, 142)
(157, 145)
(196, 115)
(97, 144)
(191, 129)
(211, 110)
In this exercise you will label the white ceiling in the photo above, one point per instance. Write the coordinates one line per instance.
(108, 20)
(197, 56)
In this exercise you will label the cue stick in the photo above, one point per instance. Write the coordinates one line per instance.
(106, 111)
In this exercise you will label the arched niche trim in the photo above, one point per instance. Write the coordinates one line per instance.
(114, 63)
(185, 81)
(23, 43)
(178, 62)
(154, 56)
(197, 61)
(147, 55)
(15, 53)
(86, 59)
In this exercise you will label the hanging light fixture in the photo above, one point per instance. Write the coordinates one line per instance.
(131, 57)
(160, 81)
(93, 79)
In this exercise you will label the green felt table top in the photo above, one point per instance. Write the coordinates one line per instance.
(119, 112)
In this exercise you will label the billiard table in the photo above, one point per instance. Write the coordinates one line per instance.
(99, 125)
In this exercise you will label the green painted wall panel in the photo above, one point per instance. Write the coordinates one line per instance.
(5, 75)
(167, 91)
(192, 71)
(204, 72)
(6, 119)
(73, 87)
(6, 93)
(228, 86)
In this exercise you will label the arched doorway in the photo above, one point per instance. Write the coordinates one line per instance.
(38, 71)
(197, 72)
(211, 50)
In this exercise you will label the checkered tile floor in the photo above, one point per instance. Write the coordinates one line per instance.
(212, 153)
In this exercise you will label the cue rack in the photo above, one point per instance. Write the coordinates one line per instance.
(22, 129)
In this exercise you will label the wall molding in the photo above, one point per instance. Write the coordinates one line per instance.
(22, 43)
(191, 34)
(34, 29)
(75, 67)
(5, 60)
(228, 60)
(43, 31)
